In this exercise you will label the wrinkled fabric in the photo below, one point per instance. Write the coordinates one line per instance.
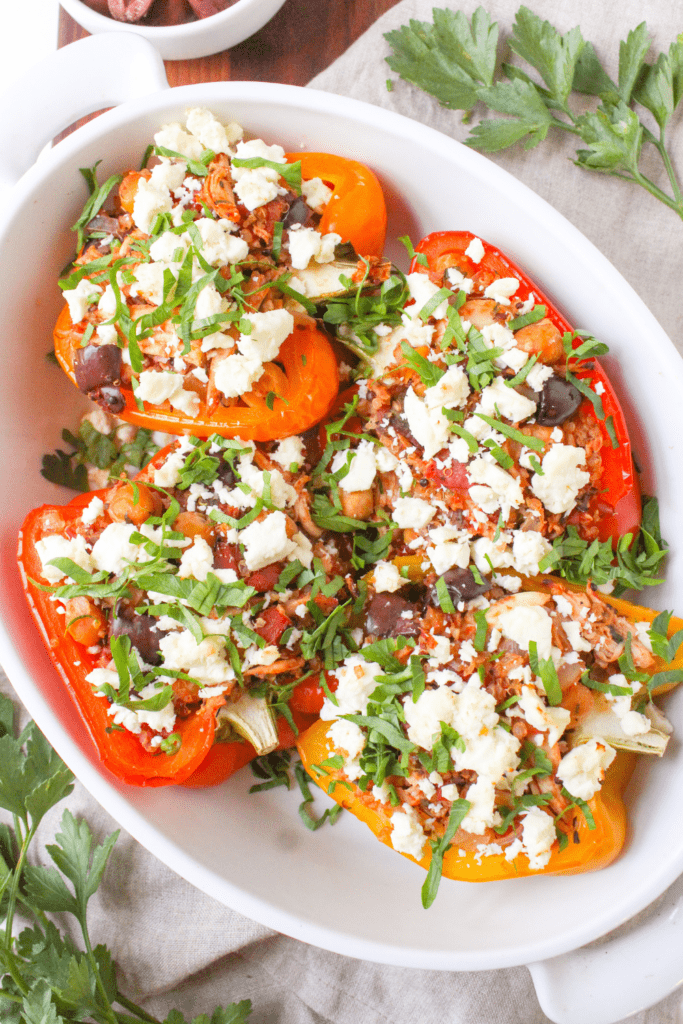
(175, 946)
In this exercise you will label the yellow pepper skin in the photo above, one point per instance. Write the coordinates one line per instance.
(595, 848)
(632, 612)
(587, 849)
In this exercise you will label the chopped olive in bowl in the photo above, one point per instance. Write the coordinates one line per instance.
(179, 29)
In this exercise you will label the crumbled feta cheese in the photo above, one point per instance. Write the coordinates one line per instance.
(450, 392)
(407, 835)
(538, 836)
(211, 133)
(269, 330)
(56, 546)
(491, 487)
(456, 280)
(258, 185)
(266, 541)
(502, 289)
(289, 452)
(421, 288)
(538, 375)
(451, 547)
(347, 736)
(387, 578)
(497, 397)
(475, 250)
(553, 720)
(197, 560)
(92, 510)
(482, 813)
(524, 623)
(79, 298)
(306, 244)
(562, 479)
(206, 662)
(237, 374)
(528, 548)
(356, 679)
(316, 193)
(219, 245)
(412, 513)
(428, 425)
(362, 467)
(583, 768)
(158, 386)
(173, 136)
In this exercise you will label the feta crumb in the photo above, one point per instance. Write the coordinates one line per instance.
(475, 250)
(583, 768)
(387, 578)
(407, 835)
(412, 513)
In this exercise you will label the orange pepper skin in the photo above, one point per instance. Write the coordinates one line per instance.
(595, 849)
(356, 210)
(306, 391)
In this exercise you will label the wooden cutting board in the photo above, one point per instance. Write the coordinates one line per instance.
(303, 38)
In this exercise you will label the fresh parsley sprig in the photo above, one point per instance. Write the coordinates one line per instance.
(456, 61)
(45, 976)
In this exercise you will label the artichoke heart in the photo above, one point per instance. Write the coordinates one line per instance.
(253, 719)
(602, 723)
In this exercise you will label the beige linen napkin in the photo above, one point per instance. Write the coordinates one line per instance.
(174, 945)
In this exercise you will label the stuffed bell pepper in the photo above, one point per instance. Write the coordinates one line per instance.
(179, 303)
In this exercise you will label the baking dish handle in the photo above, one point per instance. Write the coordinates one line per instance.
(627, 971)
(92, 74)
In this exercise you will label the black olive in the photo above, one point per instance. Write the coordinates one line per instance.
(109, 399)
(108, 225)
(226, 473)
(461, 586)
(140, 629)
(96, 366)
(559, 400)
(299, 213)
(388, 616)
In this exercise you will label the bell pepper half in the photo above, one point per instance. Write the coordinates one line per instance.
(620, 498)
(292, 395)
(595, 831)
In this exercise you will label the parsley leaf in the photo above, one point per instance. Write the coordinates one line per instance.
(455, 61)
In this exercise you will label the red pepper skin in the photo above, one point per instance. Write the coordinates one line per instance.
(199, 762)
(620, 500)
(121, 752)
(224, 759)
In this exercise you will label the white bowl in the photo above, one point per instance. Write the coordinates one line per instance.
(195, 38)
(337, 888)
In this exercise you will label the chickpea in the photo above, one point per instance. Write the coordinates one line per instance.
(541, 339)
(133, 503)
(194, 524)
(357, 504)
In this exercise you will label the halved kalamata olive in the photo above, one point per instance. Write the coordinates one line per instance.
(96, 366)
(110, 399)
(461, 586)
(226, 473)
(559, 400)
(391, 615)
(140, 629)
(108, 225)
(299, 213)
